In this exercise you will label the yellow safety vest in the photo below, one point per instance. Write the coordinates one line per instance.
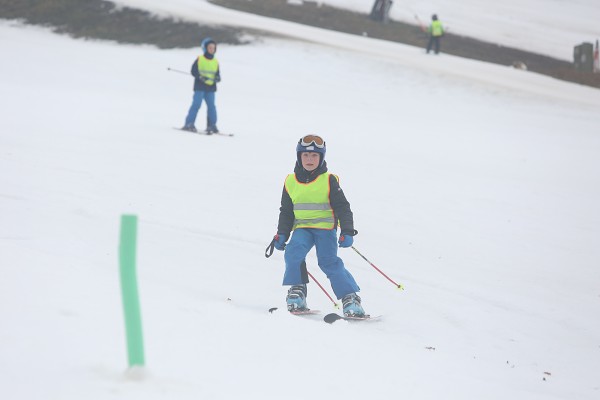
(208, 69)
(436, 28)
(311, 202)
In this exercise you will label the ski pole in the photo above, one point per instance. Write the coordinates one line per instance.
(399, 286)
(420, 24)
(178, 71)
(336, 305)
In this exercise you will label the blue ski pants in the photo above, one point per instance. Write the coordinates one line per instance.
(200, 96)
(434, 42)
(325, 241)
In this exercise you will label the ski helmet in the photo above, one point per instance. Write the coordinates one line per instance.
(206, 42)
(311, 143)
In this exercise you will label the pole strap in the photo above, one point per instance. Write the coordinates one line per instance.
(270, 248)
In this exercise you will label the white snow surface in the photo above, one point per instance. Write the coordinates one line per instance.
(549, 27)
(474, 185)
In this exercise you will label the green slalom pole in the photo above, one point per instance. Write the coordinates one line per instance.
(129, 290)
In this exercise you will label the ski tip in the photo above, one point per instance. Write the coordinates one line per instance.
(331, 318)
(272, 309)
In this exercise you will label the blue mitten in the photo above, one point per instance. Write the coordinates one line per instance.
(279, 241)
(345, 240)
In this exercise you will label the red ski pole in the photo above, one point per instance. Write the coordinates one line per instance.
(423, 28)
(399, 286)
(336, 305)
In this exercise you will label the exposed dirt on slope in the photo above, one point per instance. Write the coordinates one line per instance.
(97, 19)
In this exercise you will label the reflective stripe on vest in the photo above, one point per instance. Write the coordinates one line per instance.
(311, 202)
(208, 69)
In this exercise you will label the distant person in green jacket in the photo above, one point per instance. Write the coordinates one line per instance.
(436, 31)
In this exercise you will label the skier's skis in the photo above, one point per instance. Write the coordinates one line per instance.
(305, 312)
(331, 318)
(204, 132)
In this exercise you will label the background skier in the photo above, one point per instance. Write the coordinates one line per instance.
(436, 31)
(206, 72)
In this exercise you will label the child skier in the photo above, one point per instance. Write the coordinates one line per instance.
(312, 203)
(207, 73)
(436, 31)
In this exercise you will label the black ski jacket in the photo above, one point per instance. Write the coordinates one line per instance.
(337, 199)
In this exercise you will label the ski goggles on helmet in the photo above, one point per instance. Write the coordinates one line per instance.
(312, 139)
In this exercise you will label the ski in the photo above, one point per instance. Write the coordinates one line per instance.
(204, 133)
(305, 312)
(331, 318)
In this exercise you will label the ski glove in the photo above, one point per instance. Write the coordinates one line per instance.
(279, 241)
(345, 240)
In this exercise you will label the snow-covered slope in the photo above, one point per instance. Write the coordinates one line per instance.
(476, 190)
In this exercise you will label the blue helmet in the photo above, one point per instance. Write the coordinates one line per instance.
(311, 143)
(206, 42)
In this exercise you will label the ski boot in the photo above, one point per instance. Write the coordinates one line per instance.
(189, 128)
(352, 307)
(212, 129)
(296, 298)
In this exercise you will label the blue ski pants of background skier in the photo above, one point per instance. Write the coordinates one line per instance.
(325, 241)
(434, 42)
(199, 96)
